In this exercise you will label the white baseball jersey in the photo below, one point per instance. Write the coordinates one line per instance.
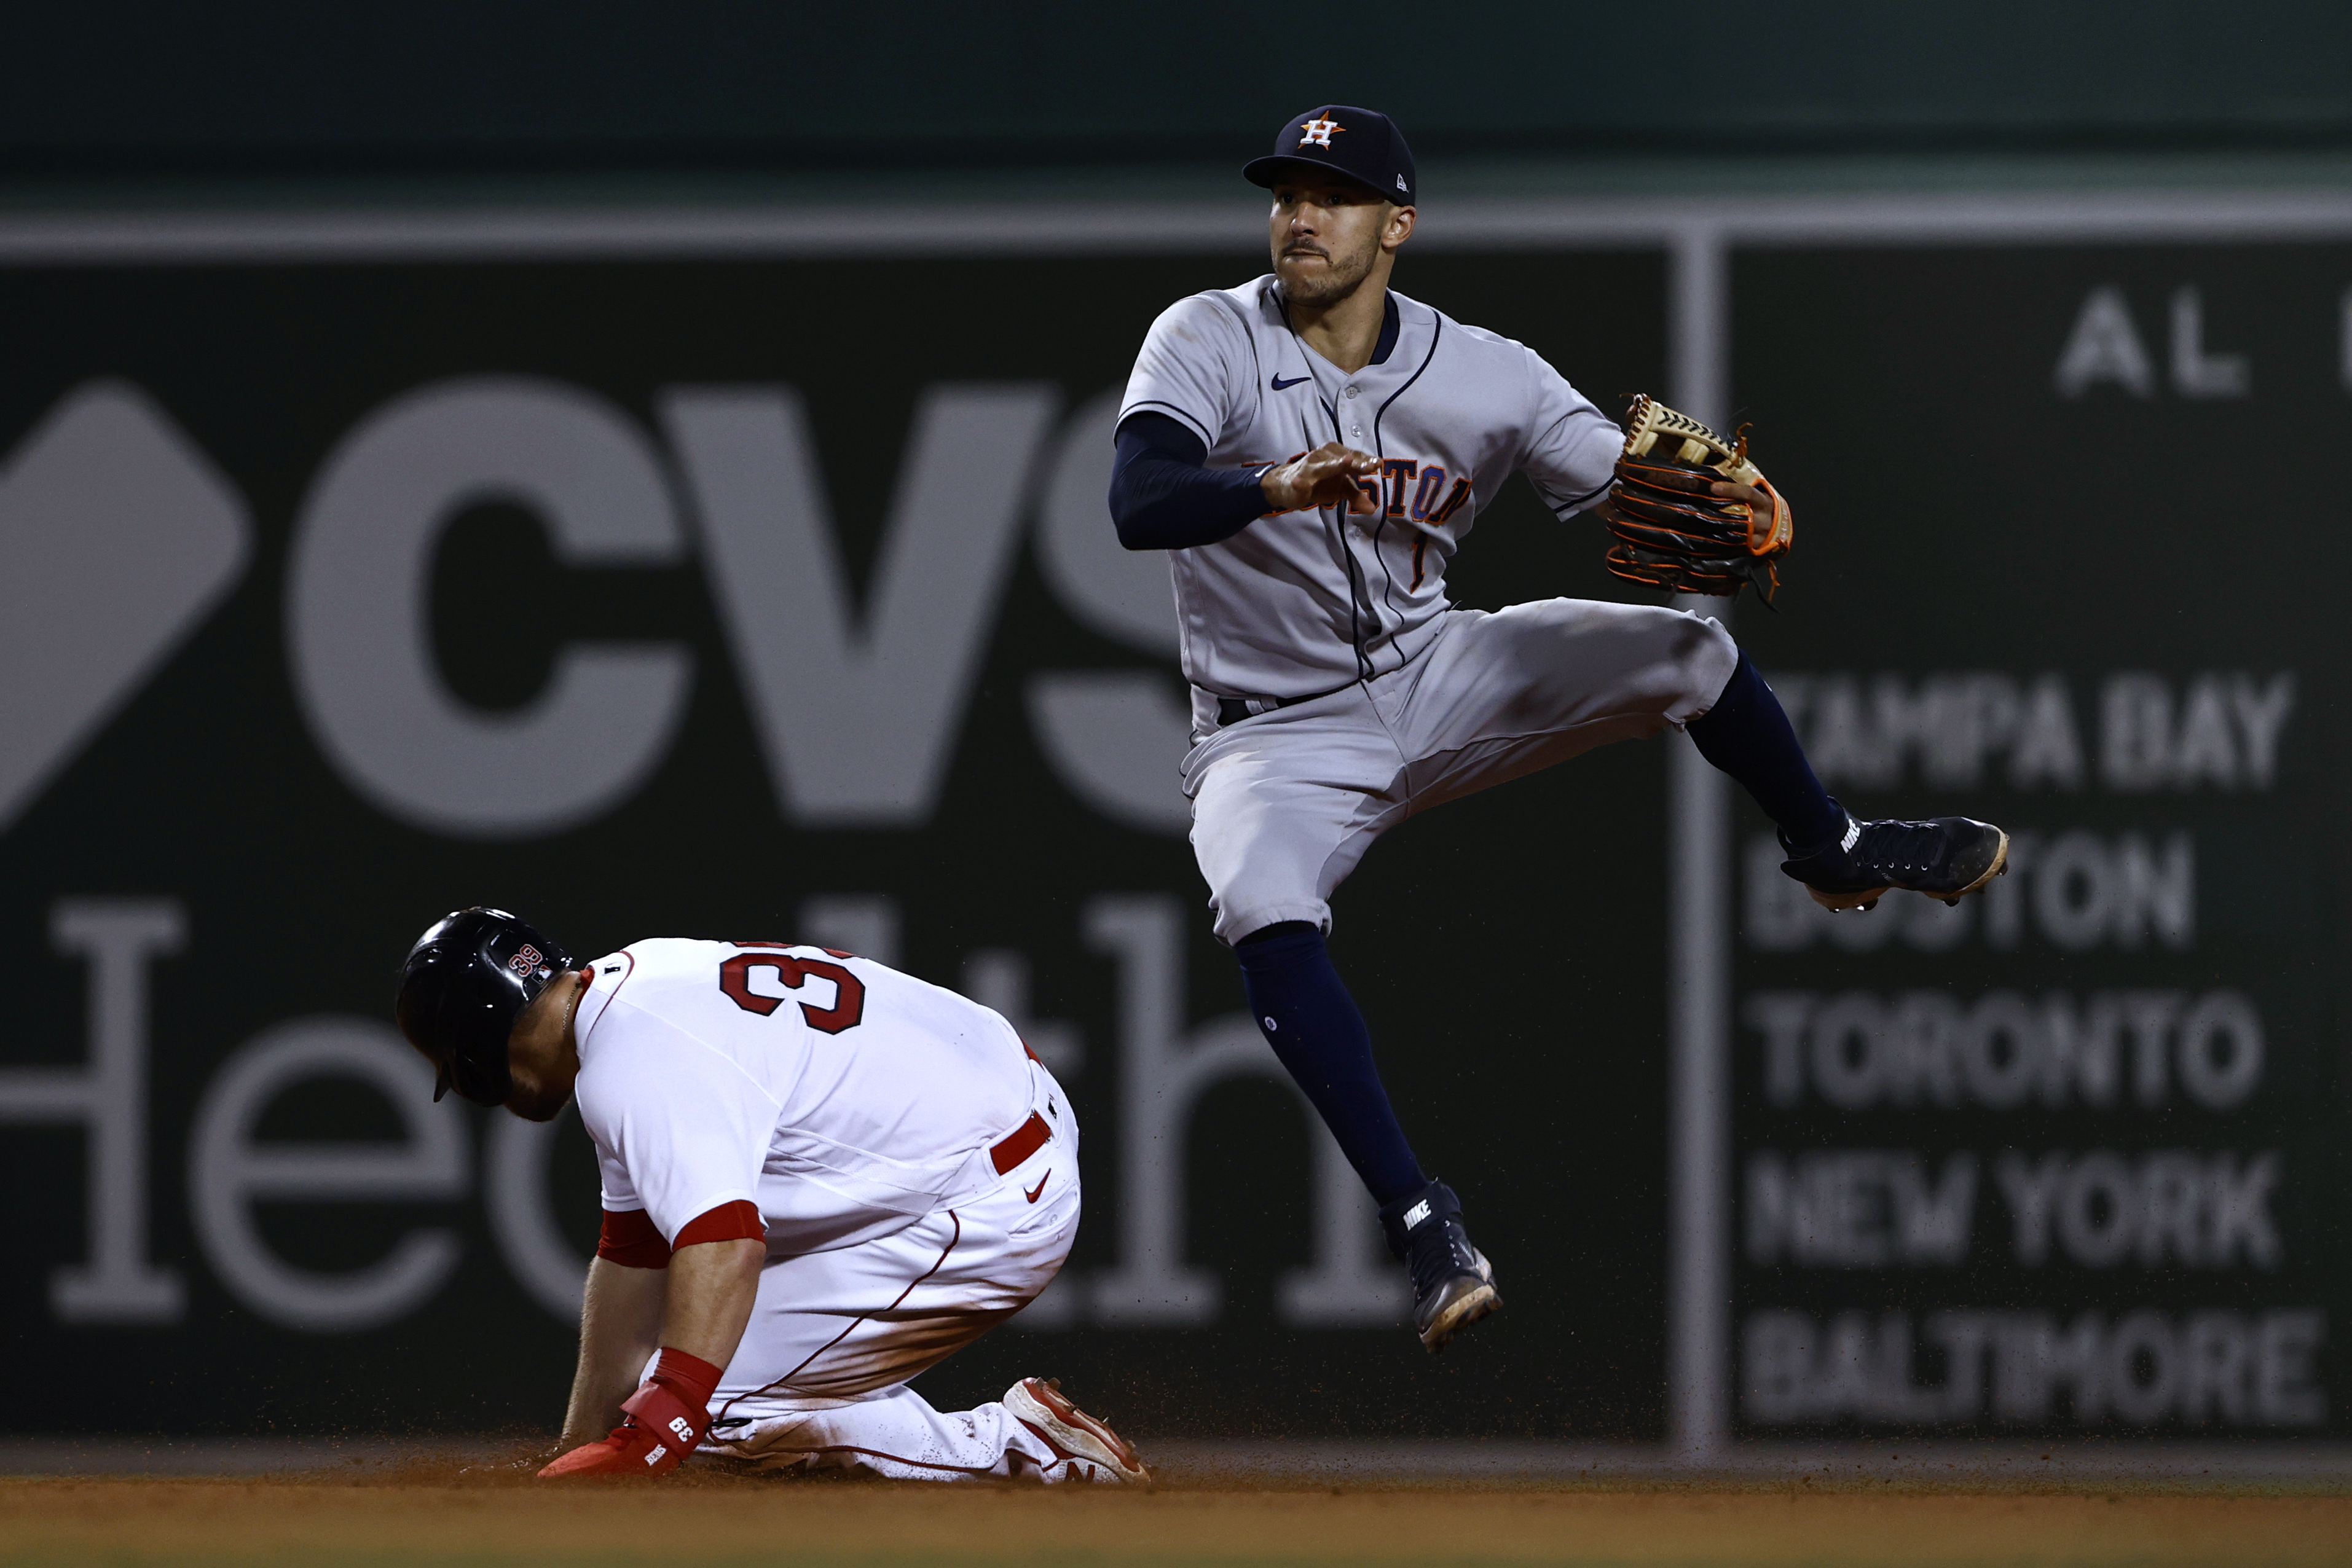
(1311, 601)
(846, 1100)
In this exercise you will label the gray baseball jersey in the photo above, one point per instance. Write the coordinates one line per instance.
(1310, 601)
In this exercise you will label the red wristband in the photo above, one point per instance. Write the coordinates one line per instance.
(691, 1378)
(661, 1424)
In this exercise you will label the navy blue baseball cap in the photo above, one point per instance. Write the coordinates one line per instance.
(1365, 146)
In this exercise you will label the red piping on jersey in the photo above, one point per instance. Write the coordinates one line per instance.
(981, 1470)
(628, 975)
(1013, 1458)
(937, 1264)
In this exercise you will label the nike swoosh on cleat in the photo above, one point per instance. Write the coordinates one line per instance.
(1032, 1194)
(1281, 385)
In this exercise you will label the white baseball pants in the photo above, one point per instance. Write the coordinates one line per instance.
(1285, 804)
(820, 1379)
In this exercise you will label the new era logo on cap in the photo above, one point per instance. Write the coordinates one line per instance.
(1360, 143)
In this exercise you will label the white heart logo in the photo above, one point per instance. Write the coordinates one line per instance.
(117, 537)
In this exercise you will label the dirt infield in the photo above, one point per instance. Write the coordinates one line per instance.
(476, 1518)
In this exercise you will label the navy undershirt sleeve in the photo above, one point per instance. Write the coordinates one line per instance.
(1161, 496)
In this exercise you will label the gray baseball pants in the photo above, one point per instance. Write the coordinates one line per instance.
(1286, 804)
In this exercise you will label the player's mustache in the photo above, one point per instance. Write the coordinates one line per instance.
(1304, 247)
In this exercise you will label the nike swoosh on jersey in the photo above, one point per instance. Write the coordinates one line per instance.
(1281, 385)
(1032, 1194)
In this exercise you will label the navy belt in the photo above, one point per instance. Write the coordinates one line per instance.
(1233, 710)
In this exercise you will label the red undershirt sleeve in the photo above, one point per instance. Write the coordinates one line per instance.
(736, 1221)
(631, 1239)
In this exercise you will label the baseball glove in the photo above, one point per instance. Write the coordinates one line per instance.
(1672, 530)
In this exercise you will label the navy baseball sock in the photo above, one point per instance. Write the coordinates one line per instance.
(1746, 735)
(1308, 1016)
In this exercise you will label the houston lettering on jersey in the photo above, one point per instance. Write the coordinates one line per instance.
(1303, 602)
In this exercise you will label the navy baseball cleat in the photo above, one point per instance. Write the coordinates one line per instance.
(1453, 1283)
(1944, 857)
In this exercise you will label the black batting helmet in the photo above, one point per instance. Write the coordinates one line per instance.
(463, 986)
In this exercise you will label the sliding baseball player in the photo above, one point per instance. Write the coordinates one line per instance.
(821, 1177)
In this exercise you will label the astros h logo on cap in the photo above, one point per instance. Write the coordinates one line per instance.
(1362, 144)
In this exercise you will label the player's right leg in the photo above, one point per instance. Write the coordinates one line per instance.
(1846, 863)
(819, 1379)
(894, 1433)
(1533, 684)
(1284, 805)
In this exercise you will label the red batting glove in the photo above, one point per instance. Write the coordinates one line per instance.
(666, 1417)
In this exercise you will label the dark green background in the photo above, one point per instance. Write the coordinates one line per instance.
(1963, 515)
(132, 88)
(1508, 950)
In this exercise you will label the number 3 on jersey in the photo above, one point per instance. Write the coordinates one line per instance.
(848, 990)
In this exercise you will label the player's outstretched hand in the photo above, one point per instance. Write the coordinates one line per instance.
(1330, 475)
(660, 1430)
(622, 1453)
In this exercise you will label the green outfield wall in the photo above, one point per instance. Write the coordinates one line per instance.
(358, 571)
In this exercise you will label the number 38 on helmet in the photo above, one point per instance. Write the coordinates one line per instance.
(462, 987)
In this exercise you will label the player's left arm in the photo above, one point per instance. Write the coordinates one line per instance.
(713, 1285)
(679, 1130)
(1572, 448)
(698, 1303)
(620, 1328)
(1567, 447)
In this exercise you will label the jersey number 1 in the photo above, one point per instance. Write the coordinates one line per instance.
(849, 992)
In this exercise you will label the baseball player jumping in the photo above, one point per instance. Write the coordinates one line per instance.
(1311, 448)
(821, 1177)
